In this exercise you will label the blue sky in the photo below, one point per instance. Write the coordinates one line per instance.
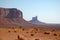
(47, 10)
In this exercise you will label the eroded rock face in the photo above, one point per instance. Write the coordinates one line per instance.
(10, 13)
(10, 17)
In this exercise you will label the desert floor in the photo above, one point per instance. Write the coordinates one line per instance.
(28, 34)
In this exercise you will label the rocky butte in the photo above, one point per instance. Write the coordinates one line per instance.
(10, 13)
(8, 16)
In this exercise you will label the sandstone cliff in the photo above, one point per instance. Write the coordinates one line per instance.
(10, 13)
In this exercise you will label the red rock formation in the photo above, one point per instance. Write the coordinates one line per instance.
(8, 16)
(12, 17)
(10, 13)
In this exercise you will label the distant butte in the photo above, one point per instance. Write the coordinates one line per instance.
(35, 20)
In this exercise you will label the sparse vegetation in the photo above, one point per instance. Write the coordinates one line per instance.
(9, 31)
(23, 29)
(53, 30)
(55, 34)
(46, 33)
(12, 27)
(37, 39)
(15, 31)
(35, 32)
(26, 32)
(32, 34)
(20, 38)
(36, 29)
(59, 35)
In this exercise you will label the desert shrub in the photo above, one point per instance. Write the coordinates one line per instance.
(15, 31)
(53, 30)
(59, 35)
(9, 31)
(12, 27)
(32, 34)
(37, 39)
(35, 32)
(46, 33)
(36, 29)
(55, 34)
(19, 38)
(26, 32)
(23, 29)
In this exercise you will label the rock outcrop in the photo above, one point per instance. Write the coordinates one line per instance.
(10, 13)
(9, 16)
(12, 17)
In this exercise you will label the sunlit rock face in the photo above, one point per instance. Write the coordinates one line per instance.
(10, 17)
(10, 13)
